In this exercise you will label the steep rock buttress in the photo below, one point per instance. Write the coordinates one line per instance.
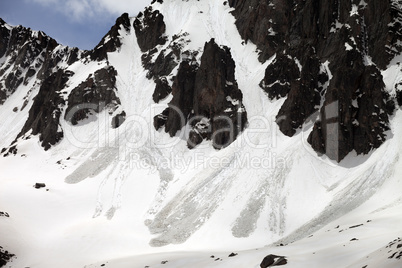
(340, 48)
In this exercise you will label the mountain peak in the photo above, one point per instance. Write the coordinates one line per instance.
(111, 41)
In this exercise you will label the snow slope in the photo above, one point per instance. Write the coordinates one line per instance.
(134, 197)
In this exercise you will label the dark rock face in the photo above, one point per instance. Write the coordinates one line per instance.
(328, 57)
(279, 76)
(303, 98)
(350, 40)
(5, 257)
(33, 55)
(386, 34)
(162, 89)
(94, 94)
(180, 107)
(4, 37)
(208, 98)
(46, 110)
(30, 55)
(398, 90)
(98, 92)
(295, 24)
(44, 115)
(160, 119)
(264, 23)
(273, 260)
(394, 249)
(167, 60)
(111, 41)
(39, 185)
(26, 52)
(149, 28)
(182, 103)
(357, 122)
(118, 119)
(163, 65)
(217, 98)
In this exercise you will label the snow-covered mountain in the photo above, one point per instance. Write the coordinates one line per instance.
(198, 129)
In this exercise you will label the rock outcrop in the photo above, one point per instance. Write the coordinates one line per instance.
(5, 257)
(150, 29)
(32, 58)
(340, 48)
(398, 91)
(265, 23)
(280, 75)
(161, 69)
(111, 41)
(273, 260)
(304, 96)
(44, 115)
(326, 57)
(28, 54)
(96, 93)
(46, 110)
(183, 98)
(207, 97)
(217, 99)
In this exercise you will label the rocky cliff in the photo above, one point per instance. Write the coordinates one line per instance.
(326, 63)
(208, 98)
(38, 62)
(203, 120)
(340, 48)
(26, 55)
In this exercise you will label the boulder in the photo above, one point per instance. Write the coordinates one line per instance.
(273, 260)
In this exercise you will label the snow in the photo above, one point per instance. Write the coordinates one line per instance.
(233, 101)
(298, 64)
(337, 26)
(8, 26)
(348, 47)
(272, 32)
(134, 197)
(354, 11)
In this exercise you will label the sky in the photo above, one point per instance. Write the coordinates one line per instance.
(76, 23)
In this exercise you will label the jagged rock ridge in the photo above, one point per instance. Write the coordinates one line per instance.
(27, 53)
(341, 39)
(205, 95)
(45, 112)
(96, 93)
(326, 54)
(36, 60)
(149, 28)
(166, 61)
(208, 98)
(111, 41)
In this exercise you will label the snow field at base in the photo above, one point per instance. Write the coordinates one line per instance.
(98, 202)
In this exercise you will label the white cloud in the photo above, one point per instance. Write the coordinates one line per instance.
(121, 6)
(79, 10)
